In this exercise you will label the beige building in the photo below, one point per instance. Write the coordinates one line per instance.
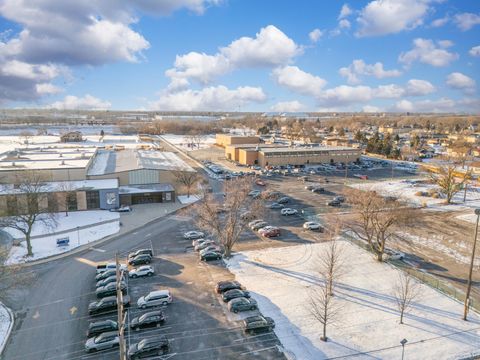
(226, 140)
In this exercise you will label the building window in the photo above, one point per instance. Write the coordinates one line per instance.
(93, 200)
(52, 202)
(72, 201)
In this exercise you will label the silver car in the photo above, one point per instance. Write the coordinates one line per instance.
(106, 340)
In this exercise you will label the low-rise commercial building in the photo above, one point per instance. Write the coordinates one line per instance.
(225, 140)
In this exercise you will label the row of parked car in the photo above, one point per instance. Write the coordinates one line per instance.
(238, 299)
(207, 249)
(104, 334)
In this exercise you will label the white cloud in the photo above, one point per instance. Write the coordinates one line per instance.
(416, 87)
(371, 109)
(445, 43)
(344, 94)
(462, 82)
(345, 12)
(215, 98)
(298, 80)
(47, 89)
(435, 106)
(315, 35)
(288, 106)
(425, 51)
(344, 24)
(475, 51)
(382, 17)
(271, 47)
(466, 21)
(88, 102)
(391, 91)
(440, 22)
(359, 68)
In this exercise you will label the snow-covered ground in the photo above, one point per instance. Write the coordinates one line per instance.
(184, 199)
(185, 142)
(406, 190)
(6, 324)
(280, 280)
(90, 226)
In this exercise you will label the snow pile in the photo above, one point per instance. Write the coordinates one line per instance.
(280, 280)
(184, 199)
(81, 227)
(185, 142)
(6, 324)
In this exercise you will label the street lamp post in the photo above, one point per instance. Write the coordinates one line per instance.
(403, 342)
(469, 281)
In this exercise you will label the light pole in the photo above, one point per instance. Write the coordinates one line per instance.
(469, 281)
(403, 342)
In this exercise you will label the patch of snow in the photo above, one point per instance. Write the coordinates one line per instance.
(280, 280)
(188, 200)
(6, 324)
(185, 143)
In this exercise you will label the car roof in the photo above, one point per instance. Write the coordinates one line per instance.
(108, 298)
(108, 334)
(100, 323)
(144, 267)
(254, 318)
(159, 292)
(152, 341)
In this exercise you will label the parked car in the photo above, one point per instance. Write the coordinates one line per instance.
(123, 208)
(258, 225)
(213, 247)
(145, 270)
(242, 304)
(108, 280)
(311, 187)
(223, 286)
(106, 274)
(260, 182)
(258, 323)
(149, 347)
(251, 223)
(106, 340)
(276, 205)
(283, 200)
(149, 319)
(247, 216)
(312, 225)
(140, 252)
(233, 294)
(390, 254)
(204, 245)
(199, 241)
(155, 298)
(339, 198)
(318, 190)
(104, 267)
(269, 231)
(110, 289)
(98, 327)
(288, 211)
(334, 203)
(191, 235)
(140, 259)
(254, 192)
(211, 255)
(106, 305)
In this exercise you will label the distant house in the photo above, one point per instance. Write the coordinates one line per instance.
(72, 136)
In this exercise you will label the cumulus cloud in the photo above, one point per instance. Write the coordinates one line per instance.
(465, 21)
(298, 80)
(315, 35)
(345, 11)
(88, 102)
(475, 51)
(288, 106)
(344, 24)
(371, 109)
(457, 80)
(435, 106)
(359, 68)
(214, 98)
(440, 22)
(416, 87)
(271, 47)
(382, 17)
(425, 51)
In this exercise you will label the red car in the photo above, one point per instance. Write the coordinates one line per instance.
(269, 231)
(260, 182)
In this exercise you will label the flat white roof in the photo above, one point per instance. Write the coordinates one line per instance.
(59, 186)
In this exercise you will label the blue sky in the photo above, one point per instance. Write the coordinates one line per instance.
(384, 55)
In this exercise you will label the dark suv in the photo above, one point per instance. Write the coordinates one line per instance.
(258, 323)
(223, 286)
(149, 347)
(140, 252)
(140, 260)
(106, 305)
(149, 319)
(98, 327)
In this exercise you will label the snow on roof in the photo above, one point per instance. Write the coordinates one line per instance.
(162, 161)
(140, 189)
(59, 186)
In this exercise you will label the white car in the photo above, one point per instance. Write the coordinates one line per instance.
(288, 211)
(199, 241)
(155, 298)
(312, 225)
(146, 270)
(191, 235)
(123, 208)
(104, 267)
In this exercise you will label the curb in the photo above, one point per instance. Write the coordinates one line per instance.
(84, 247)
(9, 330)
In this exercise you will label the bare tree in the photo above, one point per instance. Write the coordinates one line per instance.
(197, 138)
(187, 179)
(449, 179)
(26, 135)
(69, 193)
(11, 276)
(406, 290)
(322, 305)
(28, 205)
(377, 218)
(225, 218)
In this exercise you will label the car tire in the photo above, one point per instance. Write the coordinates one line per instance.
(235, 311)
(150, 274)
(137, 328)
(143, 306)
(253, 308)
(165, 303)
(134, 276)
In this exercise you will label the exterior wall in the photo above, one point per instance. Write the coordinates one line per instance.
(226, 140)
(3, 204)
(301, 159)
(143, 176)
(109, 199)
(81, 200)
(12, 176)
(122, 177)
(247, 156)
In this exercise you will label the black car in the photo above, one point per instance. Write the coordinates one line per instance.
(258, 323)
(110, 289)
(242, 304)
(148, 348)
(223, 286)
(318, 190)
(334, 203)
(140, 260)
(233, 294)
(98, 327)
(283, 200)
(140, 252)
(106, 305)
(106, 274)
(149, 319)
(211, 255)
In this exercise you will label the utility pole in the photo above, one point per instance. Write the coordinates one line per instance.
(469, 282)
(121, 319)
